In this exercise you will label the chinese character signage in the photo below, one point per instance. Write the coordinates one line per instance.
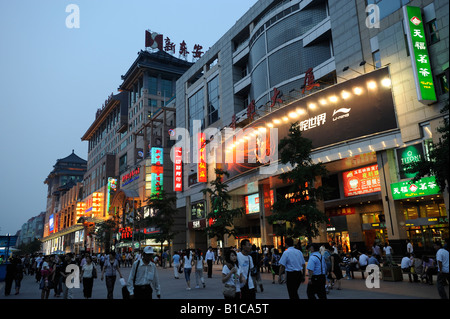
(202, 158)
(178, 170)
(420, 58)
(156, 180)
(156, 155)
(361, 181)
(406, 156)
(423, 187)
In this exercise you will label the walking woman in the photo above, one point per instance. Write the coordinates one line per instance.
(88, 274)
(46, 278)
(187, 263)
(199, 263)
(110, 268)
(232, 276)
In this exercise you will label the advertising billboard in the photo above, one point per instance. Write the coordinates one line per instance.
(361, 181)
(252, 204)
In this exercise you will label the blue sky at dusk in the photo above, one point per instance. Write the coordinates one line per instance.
(53, 78)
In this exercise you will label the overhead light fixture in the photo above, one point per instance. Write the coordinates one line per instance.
(293, 115)
(357, 90)
(345, 95)
(371, 85)
(333, 98)
(386, 82)
(323, 101)
(312, 106)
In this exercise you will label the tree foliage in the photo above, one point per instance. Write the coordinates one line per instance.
(299, 210)
(221, 214)
(163, 217)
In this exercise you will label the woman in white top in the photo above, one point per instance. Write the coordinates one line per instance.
(198, 263)
(88, 273)
(231, 274)
(187, 263)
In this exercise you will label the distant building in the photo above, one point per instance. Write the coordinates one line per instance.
(64, 190)
(31, 230)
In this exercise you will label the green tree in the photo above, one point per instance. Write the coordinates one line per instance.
(221, 214)
(438, 162)
(299, 211)
(31, 247)
(105, 232)
(163, 216)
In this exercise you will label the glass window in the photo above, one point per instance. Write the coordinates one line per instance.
(442, 84)
(196, 105)
(388, 7)
(432, 30)
(376, 59)
(410, 211)
(213, 100)
(166, 88)
(152, 85)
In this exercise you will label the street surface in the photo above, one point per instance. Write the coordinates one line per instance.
(172, 288)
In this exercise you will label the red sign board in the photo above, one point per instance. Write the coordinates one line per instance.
(361, 181)
(202, 159)
(341, 211)
(178, 170)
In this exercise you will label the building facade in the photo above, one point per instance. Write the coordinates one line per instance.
(64, 191)
(349, 74)
(128, 132)
(31, 230)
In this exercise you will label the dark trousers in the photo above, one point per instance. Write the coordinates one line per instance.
(143, 292)
(110, 281)
(293, 281)
(88, 283)
(442, 279)
(210, 265)
(248, 294)
(316, 286)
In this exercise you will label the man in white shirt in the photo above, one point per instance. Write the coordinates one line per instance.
(293, 262)
(443, 269)
(245, 265)
(406, 265)
(388, 251)
(409, 247)
(363, 262)
(144, 277)
(210, 260)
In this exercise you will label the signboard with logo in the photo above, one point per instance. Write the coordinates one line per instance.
(198, 211)
(406, 156)
(361, 181)
(423, 187)
(420, 59)
(202, 159)
(131, 176)
(361, 106)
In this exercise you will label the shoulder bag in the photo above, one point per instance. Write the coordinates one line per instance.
(125, 292)
(229, 291)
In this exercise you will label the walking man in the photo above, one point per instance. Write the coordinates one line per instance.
(210, 260)
(442, 261)
(143, 277)
(317, 269)
(293, 262)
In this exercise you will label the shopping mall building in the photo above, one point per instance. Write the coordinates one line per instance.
(365, 83)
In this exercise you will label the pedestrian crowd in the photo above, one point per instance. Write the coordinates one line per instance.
(241, 269)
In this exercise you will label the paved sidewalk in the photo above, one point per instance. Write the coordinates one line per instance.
(172, 288)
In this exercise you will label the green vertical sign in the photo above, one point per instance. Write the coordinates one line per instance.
(420, 58)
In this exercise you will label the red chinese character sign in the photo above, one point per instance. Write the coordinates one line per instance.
(276, 97)
(169, 46)
(202, 178)
(251, 110)
(183, 50)
(310, 82)
(178, 170)
(361, 181)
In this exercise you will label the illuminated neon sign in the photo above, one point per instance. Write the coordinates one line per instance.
(419, 54)
(157, 170)
(178, 170)
(202, 159)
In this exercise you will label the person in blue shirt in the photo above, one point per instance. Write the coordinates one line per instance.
(176, 265)
(293, 262)
(317, 270)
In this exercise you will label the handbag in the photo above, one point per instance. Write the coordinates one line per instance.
(229, 291)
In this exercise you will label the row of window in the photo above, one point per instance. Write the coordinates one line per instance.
(196, 105)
